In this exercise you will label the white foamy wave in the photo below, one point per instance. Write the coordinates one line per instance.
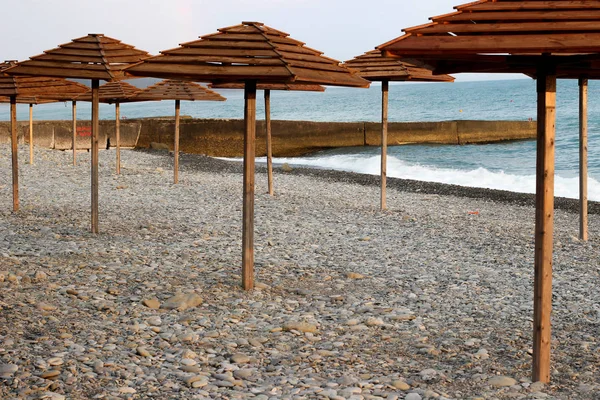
(480, 177)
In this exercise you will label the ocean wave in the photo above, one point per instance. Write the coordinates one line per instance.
(479, 177)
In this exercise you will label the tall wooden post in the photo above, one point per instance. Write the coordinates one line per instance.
(248, 208)
(30, 134)
(544, 223)
(583, 158)
(176, 144)
(74, 132)
(384, 131)
(269, 142)
(118, 135)
(95, 134)
(15, 150)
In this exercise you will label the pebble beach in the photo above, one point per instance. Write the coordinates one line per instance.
(431, 299)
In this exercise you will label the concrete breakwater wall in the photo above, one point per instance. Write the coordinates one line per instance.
(224, 138)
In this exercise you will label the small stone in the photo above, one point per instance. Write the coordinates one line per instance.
(142, 351)
(355, 275)
(200, 382)
(7, 370)
(240, 359)
(182, 302)
(501, 381)
(299, 326)
(155, 321)
(413, 396)
(46, 307)
(52, 396)
(243, 373)
(40, 276)
(285, 167)
(127, 390)
(152, 303)
(55, 361)
(537, 386)
(372, 321)
(400, 385)
(50, 374)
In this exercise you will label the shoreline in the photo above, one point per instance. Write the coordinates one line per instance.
(408, 185)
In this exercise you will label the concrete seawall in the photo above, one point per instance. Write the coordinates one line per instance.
(224, 138)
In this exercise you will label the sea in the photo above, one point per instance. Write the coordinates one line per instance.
(506, 166)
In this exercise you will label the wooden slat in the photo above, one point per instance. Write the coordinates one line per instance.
(118, 136)
(225, 60)
(94, 161)
(14, 152)
(548, 43)
(197, 51)
(74, 106)
(271, 191)
(384, 133)
(518, 27)
(522, 16)
(542, 305)
(583, 159)
(31, 134)
(536, 5)
(248, 201)
(176, 144)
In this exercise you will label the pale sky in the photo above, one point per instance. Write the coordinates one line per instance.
(341, 29)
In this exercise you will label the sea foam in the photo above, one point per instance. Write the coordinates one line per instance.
(480, 177)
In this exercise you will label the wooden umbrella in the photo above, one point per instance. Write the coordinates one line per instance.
(267, 87)
(116, 92)
(96, 57)
(178, 90)
(39, 88)
(544, 39)
(374, 66)
(249, 53)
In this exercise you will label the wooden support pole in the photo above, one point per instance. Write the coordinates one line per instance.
(384, 132)
(583, 159)
(269, 142)
(176, 144)
(248, 208)
(30, 134)
(95, 129)
(118, 135)
(15, 152)
(74, 132)
(544, 223)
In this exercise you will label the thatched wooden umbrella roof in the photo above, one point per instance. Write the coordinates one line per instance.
(267, 87)
(113, 92)
(96, 57)
(544, 39)
(251, 53)
(375, 66)
(171, 89)
(178, 90)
